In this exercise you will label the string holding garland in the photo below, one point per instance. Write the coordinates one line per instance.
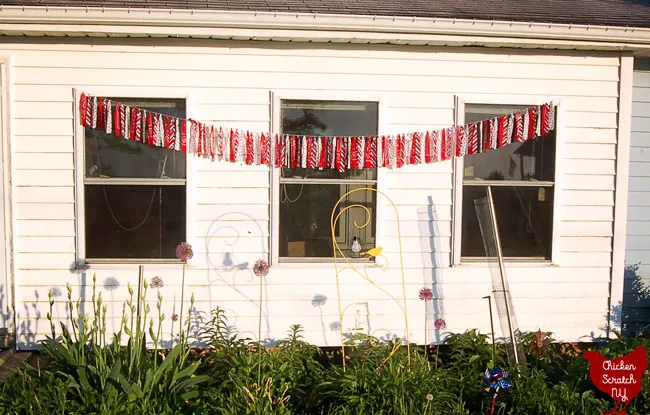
(314, 152)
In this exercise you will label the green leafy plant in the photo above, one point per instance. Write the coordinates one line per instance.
(122, 373)
(367, 386)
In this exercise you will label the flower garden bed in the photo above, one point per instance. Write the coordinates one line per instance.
(86, 373)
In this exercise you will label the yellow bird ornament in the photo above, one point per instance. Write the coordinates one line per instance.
(374, 252)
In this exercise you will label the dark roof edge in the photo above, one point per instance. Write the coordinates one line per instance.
(80, 21)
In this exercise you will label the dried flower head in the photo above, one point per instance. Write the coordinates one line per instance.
(157, 282)
(184, 251)
(261, 268)
(429, 397)
(426, 294)
(440, 324)
(174, 317)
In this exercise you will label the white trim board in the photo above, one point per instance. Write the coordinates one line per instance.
(621, 193)
(7, 262)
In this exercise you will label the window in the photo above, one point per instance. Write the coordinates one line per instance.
(521, 176)
(134, 193)
(308, 196)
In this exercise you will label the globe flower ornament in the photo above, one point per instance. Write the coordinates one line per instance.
(426, 294)
(156, 282)
(261, 268)
(440, 324)
(184, 251)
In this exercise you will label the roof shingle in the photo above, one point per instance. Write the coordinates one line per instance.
(628, 13)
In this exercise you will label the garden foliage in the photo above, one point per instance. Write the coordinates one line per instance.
(83, 370)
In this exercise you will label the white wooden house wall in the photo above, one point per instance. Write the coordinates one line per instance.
(230, 83)
(636, 300)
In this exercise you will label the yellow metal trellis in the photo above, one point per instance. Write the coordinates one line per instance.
(374, 252)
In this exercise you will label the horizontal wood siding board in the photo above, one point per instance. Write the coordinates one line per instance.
(333, 65)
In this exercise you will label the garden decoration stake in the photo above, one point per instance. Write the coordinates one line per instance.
(494, 345)
(261, 269)
(369, 256)
(184, 252)
(495, 380)
(487, 221)
(426, 295)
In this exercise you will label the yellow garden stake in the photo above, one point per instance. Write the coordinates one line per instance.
(369, 255)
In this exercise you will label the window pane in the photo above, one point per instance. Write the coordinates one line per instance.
(356, 174)
(134, 221)
(305, 213)
(111, 156)
(330, 118)
(524, 216)
(530, 160)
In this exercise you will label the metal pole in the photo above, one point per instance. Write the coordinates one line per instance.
(140, 278)
(494, 346)
(502, 270)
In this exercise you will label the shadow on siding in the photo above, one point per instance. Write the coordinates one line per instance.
(226, 268)
(435, 309)
(634, 313)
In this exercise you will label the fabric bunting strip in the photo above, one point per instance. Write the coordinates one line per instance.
(314, 152)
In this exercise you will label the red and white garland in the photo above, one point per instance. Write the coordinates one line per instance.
(314, 152)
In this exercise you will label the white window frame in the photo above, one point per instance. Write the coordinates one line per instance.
(458, 168)
(276, 99)
(80, 171)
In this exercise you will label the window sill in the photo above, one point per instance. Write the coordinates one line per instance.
(507, 262)
(123, 263)
(323, 263)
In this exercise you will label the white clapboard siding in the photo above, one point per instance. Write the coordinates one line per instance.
(587, 135)
(596, 167)
(586, 244)
(636, 302)
(589, 198)
(588, 182)
(43, 194)
(40, 144)
(230, 203)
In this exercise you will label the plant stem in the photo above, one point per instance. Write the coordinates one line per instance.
(180, 324)
(426, 344)
(259, 336)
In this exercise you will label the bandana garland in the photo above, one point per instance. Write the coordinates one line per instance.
(340, 153)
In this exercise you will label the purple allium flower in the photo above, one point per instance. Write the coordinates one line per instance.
(157, 282)
(426, 294)
(174, 317)
(261, 268)
(440, 324)
(184, 251)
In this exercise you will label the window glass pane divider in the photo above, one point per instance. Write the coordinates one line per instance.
(326, 181)
(508, 183)
(133, 181)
